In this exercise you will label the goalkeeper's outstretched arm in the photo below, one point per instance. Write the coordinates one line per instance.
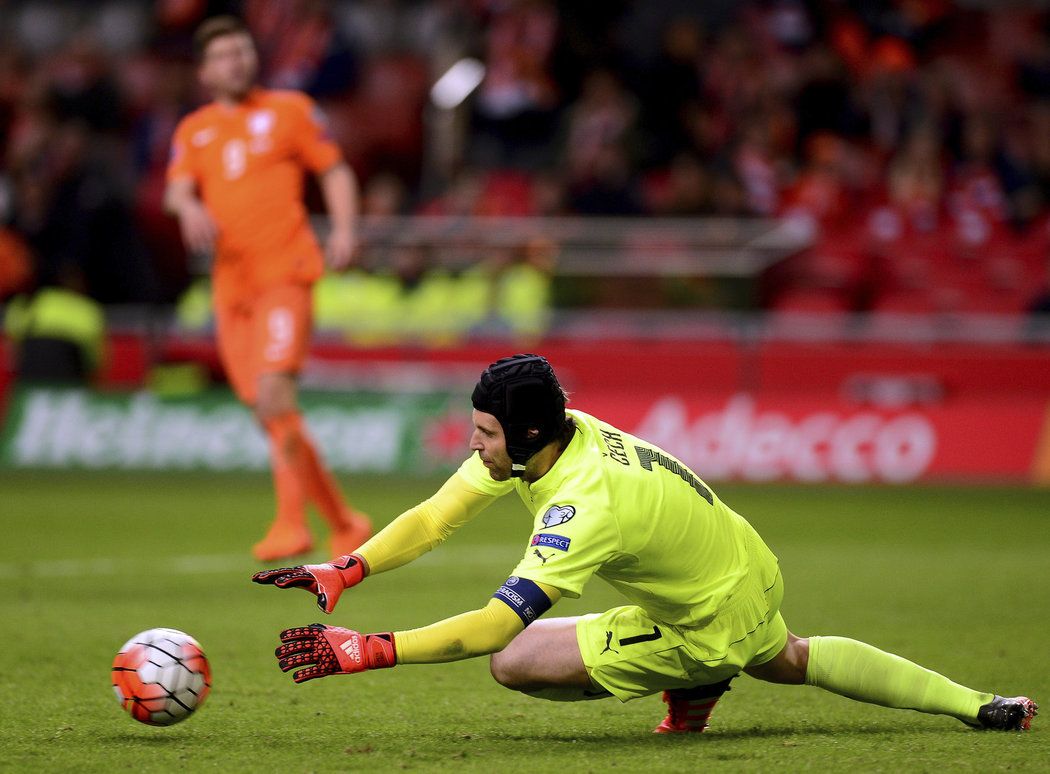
(319, 651)
(408, 537)
(478, 632)
(419, 529)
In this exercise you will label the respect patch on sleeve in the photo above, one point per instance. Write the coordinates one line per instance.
(551, 540)
(524, 597)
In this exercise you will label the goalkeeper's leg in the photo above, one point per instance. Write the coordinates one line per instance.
(544, 661)
(859, 671)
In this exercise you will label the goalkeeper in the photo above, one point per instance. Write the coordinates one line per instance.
(704, 589)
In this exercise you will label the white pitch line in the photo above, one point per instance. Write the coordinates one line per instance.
(104, 565)
(204, 564)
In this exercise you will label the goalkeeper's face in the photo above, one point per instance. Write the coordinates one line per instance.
(491, 445)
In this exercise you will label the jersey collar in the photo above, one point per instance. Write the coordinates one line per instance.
(253, 97)
(251, 100)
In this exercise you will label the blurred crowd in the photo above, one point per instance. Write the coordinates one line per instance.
(913, 136)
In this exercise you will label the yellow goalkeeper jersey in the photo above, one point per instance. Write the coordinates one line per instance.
(620, 508)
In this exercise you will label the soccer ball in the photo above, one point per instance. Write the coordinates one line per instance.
(161, 676)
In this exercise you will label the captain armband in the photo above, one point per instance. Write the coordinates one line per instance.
(523, 597)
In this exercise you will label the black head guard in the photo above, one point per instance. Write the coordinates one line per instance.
(523, 393)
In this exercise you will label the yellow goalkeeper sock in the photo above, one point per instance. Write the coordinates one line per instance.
(859, 671)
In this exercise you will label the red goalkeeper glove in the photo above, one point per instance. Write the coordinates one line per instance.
(332, 650)
(325, 581)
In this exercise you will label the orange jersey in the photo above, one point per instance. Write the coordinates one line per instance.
(248, 163)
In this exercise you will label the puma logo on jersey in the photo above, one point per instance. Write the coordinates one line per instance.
(541, 556)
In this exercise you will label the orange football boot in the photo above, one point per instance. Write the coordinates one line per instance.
(283, 541)
(352, 534)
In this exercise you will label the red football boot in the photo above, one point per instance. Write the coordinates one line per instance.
(689, 709)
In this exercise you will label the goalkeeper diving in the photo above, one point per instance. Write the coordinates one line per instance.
(704, 590)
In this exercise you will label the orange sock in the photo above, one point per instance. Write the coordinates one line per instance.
(321, 486)
(286, 453)
(311, 480)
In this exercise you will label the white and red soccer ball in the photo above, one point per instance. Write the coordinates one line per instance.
(161, 676)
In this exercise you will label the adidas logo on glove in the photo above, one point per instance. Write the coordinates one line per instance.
(352, 648)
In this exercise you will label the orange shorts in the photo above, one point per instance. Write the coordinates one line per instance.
(269, 334)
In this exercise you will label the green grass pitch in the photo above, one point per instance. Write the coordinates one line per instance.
(954, 578)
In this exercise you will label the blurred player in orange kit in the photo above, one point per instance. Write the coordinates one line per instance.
(235, 182)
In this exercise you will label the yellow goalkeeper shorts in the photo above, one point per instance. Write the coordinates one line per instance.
(632, 655)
